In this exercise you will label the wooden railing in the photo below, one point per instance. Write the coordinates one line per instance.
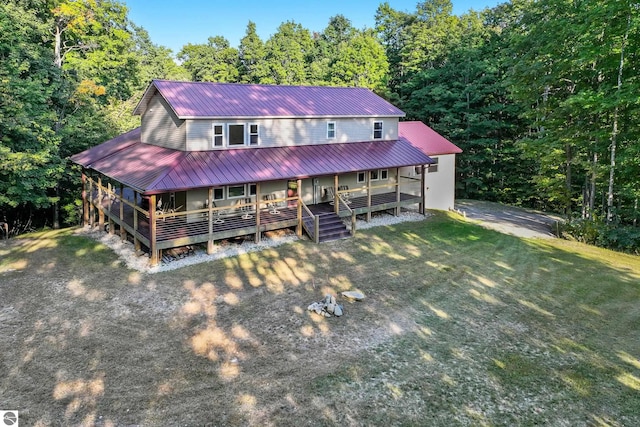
(309, 218)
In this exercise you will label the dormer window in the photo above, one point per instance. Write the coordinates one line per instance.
(253, 134)
(236, 135)
(377, 130)
(331, 130)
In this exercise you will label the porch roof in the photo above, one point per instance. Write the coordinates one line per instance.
(151, 169)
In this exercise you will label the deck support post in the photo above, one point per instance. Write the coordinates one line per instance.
(299, 227)
(100, 210)
(210, 219)
(397, 210)
(423, 191)
(123, 231)
(85, 203)
(153, 246)
(92, 211)
(136, 242)
(258, 234)
(368, 196)
(336, 202)
(110, 205)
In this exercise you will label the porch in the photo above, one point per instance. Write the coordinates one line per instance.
(158, 230)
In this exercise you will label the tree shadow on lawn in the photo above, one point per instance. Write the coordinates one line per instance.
(460, 325)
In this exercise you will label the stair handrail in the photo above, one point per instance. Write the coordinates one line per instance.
(316, 223)
(353, 214)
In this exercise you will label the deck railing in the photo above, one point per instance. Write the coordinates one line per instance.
(310, 222)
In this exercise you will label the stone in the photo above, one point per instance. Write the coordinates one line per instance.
(330, 308)
(332, 300)
(353, 295)
(337, 310)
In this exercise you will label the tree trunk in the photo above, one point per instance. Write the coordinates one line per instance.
(614, 132)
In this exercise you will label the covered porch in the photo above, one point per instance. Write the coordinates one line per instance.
(110, 203)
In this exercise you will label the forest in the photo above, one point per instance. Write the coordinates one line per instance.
(542, 96)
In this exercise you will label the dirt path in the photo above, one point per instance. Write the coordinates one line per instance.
(510, 220)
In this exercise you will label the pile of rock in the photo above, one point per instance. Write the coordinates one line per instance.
(327, 307)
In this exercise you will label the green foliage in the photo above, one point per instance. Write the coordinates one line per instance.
(288, 54)
(597, 231)
(215, 61)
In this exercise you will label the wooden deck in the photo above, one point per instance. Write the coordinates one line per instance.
(187, 228)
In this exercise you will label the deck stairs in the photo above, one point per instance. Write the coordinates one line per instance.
(331, 227)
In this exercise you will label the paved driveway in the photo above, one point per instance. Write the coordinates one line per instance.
(511, 220)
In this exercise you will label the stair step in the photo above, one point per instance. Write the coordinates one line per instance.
(331, 227)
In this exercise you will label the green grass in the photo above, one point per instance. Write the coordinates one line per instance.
(461, 326)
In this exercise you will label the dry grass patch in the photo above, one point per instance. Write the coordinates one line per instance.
(461, 326)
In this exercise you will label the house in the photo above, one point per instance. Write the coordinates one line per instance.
(212, 161)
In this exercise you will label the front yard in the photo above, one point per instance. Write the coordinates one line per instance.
(461, 326)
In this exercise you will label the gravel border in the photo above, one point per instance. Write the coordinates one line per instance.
(126, 253)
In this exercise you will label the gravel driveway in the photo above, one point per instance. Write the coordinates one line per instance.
(510, 220)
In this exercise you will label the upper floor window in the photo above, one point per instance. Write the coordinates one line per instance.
(235, 134)
(377, 130)
(218, 135)
(433, 167)
(254, 136)
(331, 130)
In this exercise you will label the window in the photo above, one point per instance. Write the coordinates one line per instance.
(252, 189)
(362, 177)
(417, 170)
(377, 130)
(218, 135)
(433, 167)
(374, 176)
(218, 193)
(254, 136)
(384, 174)
(236, 191)
(236, 134)
(331, 130)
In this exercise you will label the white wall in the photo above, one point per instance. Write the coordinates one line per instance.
(439, 186)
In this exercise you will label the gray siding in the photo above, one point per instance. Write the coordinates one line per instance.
(284, 132)
(161, 127)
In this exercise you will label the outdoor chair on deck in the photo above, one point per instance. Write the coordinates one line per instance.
(330, 195)
(271, 204)
(216, 215)
(247, 209)
(345, 196)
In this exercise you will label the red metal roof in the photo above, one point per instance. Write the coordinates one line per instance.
(426, 139)
(107, 148)
(222, 100)
(152, 169)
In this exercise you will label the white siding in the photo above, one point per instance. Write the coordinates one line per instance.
(285, 132)
(440, 186)
(161, 127)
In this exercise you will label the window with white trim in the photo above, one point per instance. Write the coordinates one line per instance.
(236, 191)
(218, 135)
(254, 135)
(384, 174)
(433, 167)
(374, 175)
(377, 130)
(236, 134)
(331, 130)
(362, 177)
(252, 189)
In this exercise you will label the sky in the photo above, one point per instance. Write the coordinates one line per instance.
(174, 23)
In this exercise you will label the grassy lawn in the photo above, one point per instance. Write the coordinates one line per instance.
(461, 326)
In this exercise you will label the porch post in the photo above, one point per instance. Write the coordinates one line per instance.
(92, 211)
(368, 196)
(210, 219)
(153, 247)
(110, 205)
(397, 210)
(423, 190)
(100, 211)
(336, 203)
(299, 228)
(85, 204)
(123, 232)
(136, 242)
(258, 213)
